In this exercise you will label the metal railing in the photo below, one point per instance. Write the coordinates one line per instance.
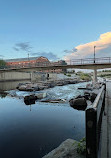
(94, 117)
(89, 61)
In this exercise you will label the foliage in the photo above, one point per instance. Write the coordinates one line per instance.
(2, 64)
(85, 76)
(79, 72)
(81, 146)
(63, 62)
(104, 75)
(69, 75)
(106, 70)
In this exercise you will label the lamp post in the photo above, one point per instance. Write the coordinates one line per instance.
(94, 53)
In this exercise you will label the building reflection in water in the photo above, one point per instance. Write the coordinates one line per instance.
(5, 86)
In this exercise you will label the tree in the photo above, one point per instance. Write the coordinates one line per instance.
(2, 64)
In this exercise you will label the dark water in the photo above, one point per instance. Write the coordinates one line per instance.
(32, 131)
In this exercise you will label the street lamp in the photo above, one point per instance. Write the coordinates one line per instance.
(94, 53)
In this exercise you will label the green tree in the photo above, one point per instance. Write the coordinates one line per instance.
(2, 64)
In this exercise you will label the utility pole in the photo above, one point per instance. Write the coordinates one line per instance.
(94, 53)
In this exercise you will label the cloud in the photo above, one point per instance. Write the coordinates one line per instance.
(103, 48)
(24, 46)
(15, 48)
(49, 55)
(70, 51)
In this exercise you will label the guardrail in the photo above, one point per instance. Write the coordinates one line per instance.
(89, 61)
(94, 116)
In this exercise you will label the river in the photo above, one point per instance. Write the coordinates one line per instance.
(34, 130)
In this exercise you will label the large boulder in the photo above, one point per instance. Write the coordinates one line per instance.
(78, 103)
(22, 88)
(28, 100)
(40, 95)
(87, 95)
(25, 87)
(72, 81)
(79, 96)
(68, 149)
(93, 97)
(36, 88)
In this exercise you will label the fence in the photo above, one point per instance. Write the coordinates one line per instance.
(89, 61)
(94, 116)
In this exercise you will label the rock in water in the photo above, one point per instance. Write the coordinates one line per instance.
(40, 95)
(79, 103)
(93, 97)
(28, 100)
(68, 149)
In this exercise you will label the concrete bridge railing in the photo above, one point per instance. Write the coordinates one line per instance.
(94, 117)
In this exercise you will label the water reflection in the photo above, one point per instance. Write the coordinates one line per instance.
(33, 134)
(5, 86)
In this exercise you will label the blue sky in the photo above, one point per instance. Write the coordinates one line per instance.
(48, 27)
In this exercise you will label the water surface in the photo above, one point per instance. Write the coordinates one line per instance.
(34, 130)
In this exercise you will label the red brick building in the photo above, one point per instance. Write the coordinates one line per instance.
(34, 61)
(25, 62)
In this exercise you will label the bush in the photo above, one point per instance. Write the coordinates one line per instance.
(85, 76)
(69, 75)
(2, 64)
(81, 146)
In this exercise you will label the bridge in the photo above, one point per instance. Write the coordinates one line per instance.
(87, 63)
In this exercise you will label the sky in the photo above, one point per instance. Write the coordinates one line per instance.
(56, 29)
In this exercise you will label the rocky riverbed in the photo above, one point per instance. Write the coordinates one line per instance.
(41, 91)
(45, 85)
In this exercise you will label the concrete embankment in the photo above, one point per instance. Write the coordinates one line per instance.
(15, 76)
(33, 76)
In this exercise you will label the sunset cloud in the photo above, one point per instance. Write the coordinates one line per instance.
(103, 48)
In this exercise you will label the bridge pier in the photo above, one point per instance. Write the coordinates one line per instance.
(95, 76)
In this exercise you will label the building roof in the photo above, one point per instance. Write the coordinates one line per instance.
(41, 58)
